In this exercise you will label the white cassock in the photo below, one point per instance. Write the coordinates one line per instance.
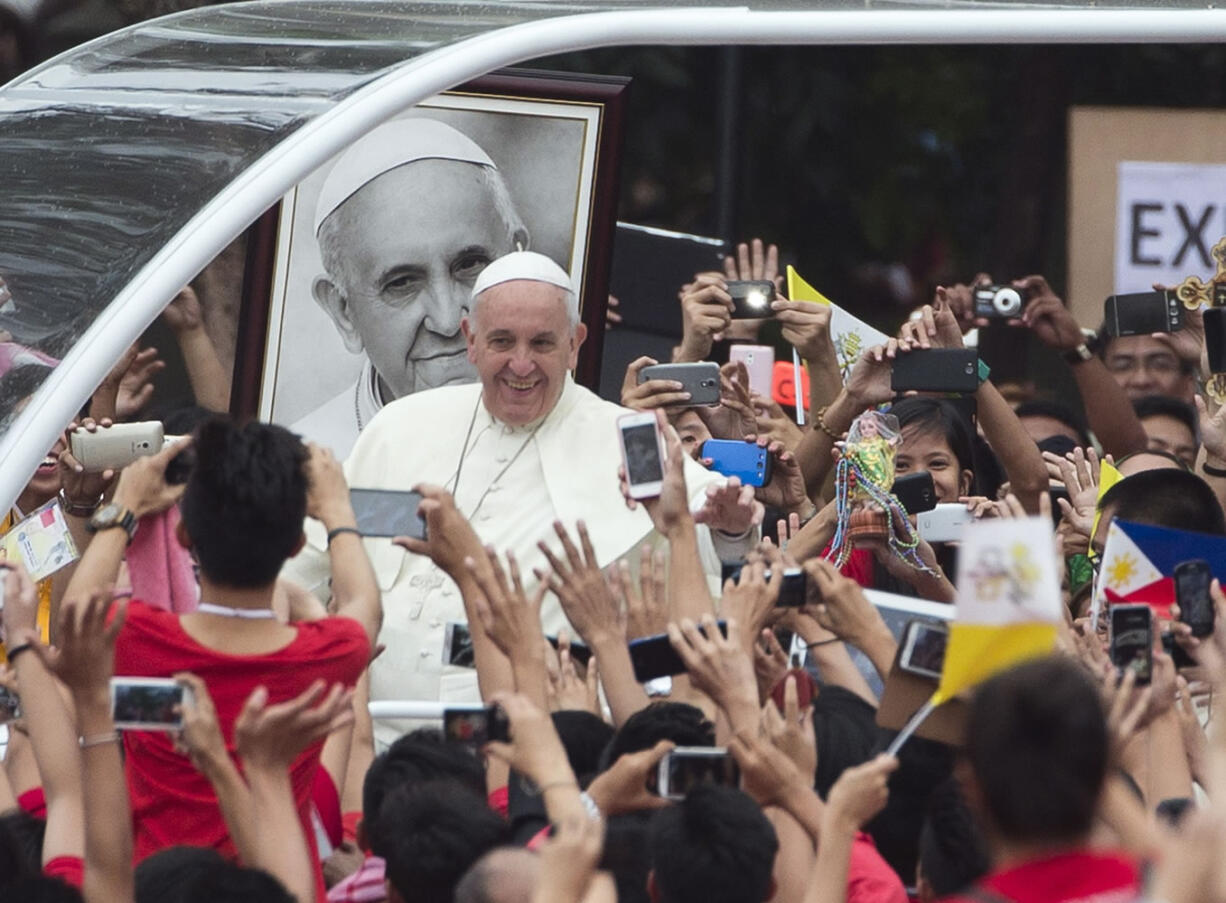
(513, 485)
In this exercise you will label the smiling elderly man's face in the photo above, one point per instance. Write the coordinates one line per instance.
(405, 250)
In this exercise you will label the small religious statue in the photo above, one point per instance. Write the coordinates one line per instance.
(869, 514)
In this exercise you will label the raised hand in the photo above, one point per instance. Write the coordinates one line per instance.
(1047, 317)
(568, 860)
(622, 787)
(719, 666)
(567, 690)
(450, 538)
(733, 417)
(731, 508)
(870, 380)
(647, 609)
(142, 486)
(838, 603)
(774, 424)
(653, 393)
(82, 487)
(806, 327)
(509, 618)
(670, 510)
(754, 261)
(751, 598)
(584, 593)
(534, 750)
(786, 489)
(201, 739)
(273, 736)
(133, 386)
(706, 311)
(183, 313)
(791, 732)
(860, 792)
(767, 774)
(770, 662)
(84, 659)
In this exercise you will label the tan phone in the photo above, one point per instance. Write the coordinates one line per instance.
(113, 447)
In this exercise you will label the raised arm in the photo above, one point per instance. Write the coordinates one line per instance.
(209, 379)
(84, 663)
(49, 724)
(355, 592)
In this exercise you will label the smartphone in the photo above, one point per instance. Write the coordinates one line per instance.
(747, 461)
(10, 705)
(751, 300)
(476, 724)
(923, 648)
(1215, 338)
(1192, 579)
(578, 651)
(944, 523)
(1143, 313)
(654, 656)
(936, 370)
(687, 767)
(642, 454)
(791, 593)
(759, 361)
(458, 645)
(147, 703)
(915, 492)
(701, 379)
(117, 446)
(1132, 640)
(385, 512)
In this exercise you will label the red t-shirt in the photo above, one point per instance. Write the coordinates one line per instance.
(172, 803)
(869, 877)
(1078, 876)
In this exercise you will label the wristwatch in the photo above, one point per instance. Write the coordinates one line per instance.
(1079, 355)
(111, 516)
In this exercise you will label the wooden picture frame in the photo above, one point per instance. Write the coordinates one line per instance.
(563, 174)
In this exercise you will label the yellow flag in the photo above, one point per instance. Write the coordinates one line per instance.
(1108, 476)
(1008, 606)
(799, 290)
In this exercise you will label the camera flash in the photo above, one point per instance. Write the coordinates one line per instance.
(756, 299)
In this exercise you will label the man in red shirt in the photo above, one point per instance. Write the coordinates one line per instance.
(242, 515)
(1037, 751)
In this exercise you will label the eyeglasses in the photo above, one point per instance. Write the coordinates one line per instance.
(1160, 364)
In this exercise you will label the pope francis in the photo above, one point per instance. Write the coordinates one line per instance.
(523, 447)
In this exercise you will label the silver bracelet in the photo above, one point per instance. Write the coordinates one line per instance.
(99, 739)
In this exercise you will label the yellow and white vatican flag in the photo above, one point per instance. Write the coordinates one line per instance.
(1008, 606)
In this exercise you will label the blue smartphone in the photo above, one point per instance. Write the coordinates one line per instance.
(738, 458)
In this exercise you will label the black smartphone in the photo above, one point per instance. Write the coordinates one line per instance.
(654, 656)
(1215, 338)
(1192, 579)
(578, 651)
(458, 645)
(751, 300)
(936, 370)
(700, 379)
(915, 492)
(384, 512)
(791, 593)
(1143, 313)
(923, 648)
(1132, 640)
(476, 724)
(687, 767)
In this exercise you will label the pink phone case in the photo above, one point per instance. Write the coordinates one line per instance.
(759, 361)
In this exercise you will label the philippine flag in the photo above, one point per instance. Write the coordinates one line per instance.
(1139, 562)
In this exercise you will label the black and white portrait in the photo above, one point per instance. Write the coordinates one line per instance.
(378, 250)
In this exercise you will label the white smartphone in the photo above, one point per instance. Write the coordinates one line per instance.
(923, 648)
(113, 447)
(759, 361)
(944, 523)
(642, 454)
(687, 767)
(147, 703)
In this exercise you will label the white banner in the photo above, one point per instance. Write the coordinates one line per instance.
(1168, 217)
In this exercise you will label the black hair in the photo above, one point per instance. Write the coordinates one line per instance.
(715, 846)
(1036, 739)
(417, 757)
(845, 728)
(430, 834)
(245, 501)
(1166, 498)
(1179, 463)
(680, 722)
(1165, 406)
(41, 889)
(19, 384)
(952, 854)
(584, 736)
(1058, 445)
(202, 875)
(1054, 410)
(939, 417)
(626, 855)
(21, 844)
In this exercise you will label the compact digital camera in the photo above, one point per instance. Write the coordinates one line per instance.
(1001, 302)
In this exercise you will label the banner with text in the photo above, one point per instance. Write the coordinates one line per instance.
(1168, 217)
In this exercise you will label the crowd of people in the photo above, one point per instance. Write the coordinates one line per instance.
(231, 563)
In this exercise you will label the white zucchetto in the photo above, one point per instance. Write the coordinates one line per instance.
(527, 265)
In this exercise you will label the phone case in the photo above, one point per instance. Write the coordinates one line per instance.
(759, 361)
(701, 380)
(654, 656)
(915, 492)
(1215, 338)
(116, 446)
(936, 370)
(1192, 579)
(643, 458)
(1143, 313)
(737, 458)
(1132, 639)
(382, 512)
(751, 300)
